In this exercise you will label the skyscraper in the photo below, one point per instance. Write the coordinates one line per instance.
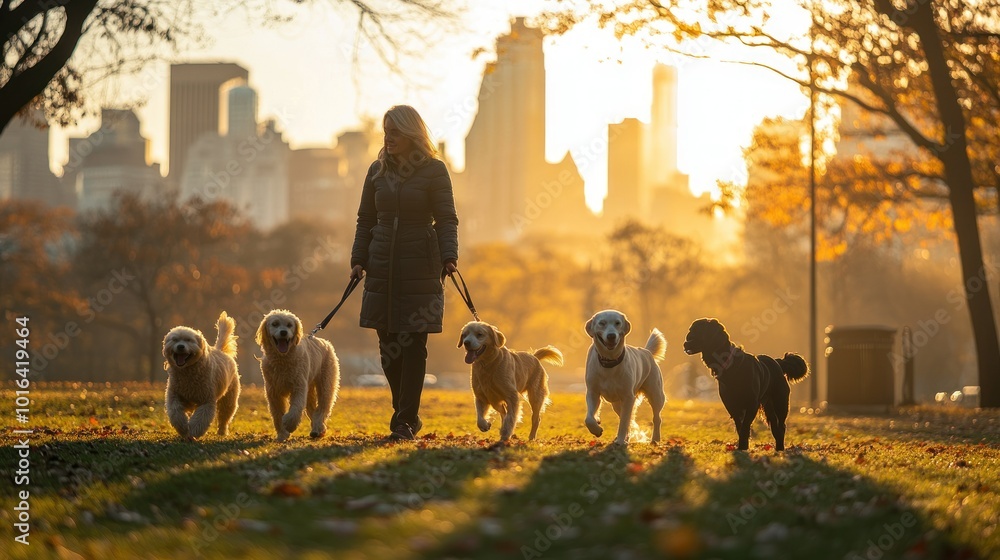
(240, 112)
(195, 100)
(24, 164)
(627, 185)
(509, 188)
(505, 148)
(662, 141)
(112, 159)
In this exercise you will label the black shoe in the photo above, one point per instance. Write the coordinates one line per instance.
(403, 432)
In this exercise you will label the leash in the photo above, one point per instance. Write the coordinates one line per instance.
(347, 293)
(463, 291)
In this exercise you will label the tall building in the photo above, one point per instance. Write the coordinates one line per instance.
(248, 166)
(661, 146)
(508, 187)
(627, 186)
(112, 159)
(24, 164)
(196, 106)
(644, 182)
(240, 112)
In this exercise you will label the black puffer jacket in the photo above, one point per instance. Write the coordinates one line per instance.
(407, 230)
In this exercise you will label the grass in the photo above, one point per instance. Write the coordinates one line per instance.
(109, 479)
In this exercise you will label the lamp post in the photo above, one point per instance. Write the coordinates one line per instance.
(813, 344)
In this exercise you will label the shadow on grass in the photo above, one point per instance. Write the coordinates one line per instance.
(792, 505)
(577, 501)
(73, 467)
(303, 498)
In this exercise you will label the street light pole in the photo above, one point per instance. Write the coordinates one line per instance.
(813, 345)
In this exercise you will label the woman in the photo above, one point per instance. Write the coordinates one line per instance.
(406, 242)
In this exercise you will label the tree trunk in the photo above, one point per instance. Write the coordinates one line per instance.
(958, 173)
(24, 86)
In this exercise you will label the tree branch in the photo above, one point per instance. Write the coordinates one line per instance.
(25, 86)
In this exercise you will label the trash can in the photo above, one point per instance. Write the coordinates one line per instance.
(859, 366)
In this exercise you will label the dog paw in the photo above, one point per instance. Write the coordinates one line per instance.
(317, 434)
(498, 445)
(282, 437)
(484, 426)
(290, 421)
(595, 427)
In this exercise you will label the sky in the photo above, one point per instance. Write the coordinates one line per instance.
(310, 78)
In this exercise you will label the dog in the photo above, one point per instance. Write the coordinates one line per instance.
(301, 373)
(748, 383)
(622, 374)
(202, 380)
(500, 376)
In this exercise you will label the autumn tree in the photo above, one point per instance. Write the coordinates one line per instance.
(35, 258)
(42, 66)
(174, 262)
(930, 68)
(655, 271)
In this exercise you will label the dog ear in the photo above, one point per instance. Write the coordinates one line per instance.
(259, 337)
(461, 337)
(298, 332)
(628, 326)
(498, 338)
(589, 326)
(165, 348)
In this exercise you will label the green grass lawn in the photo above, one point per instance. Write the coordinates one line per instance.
(110, 479)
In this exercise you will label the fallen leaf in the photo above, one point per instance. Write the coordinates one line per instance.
(288, 489)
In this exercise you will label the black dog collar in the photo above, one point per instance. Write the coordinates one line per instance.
(606, 363)
(728, 362)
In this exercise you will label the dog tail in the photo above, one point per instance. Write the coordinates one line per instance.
(226, 342)
(549, 354)
(794, 367)
(657, 345)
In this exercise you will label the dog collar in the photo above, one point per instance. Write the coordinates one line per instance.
(729, 360)
(606, 363)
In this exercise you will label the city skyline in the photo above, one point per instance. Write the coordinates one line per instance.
(713, 124)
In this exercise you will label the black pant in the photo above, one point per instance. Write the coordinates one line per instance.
(404, 361)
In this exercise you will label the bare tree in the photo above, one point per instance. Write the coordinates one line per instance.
(39, 68)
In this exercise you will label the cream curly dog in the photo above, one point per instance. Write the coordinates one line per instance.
(300, 373)
(202, 380)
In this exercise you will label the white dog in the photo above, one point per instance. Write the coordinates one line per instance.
(202, 380)
(622, 374)
(300, 374)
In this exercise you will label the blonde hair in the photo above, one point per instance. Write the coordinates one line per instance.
(411, 125)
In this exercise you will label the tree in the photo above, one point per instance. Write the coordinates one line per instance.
(929, 67)
(40, 39)
(172, 260)
(659, 270)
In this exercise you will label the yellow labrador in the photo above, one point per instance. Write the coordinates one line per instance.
(500, 376)
(622, 374)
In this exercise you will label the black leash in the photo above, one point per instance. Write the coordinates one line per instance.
(463, 291)
(347, 293)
